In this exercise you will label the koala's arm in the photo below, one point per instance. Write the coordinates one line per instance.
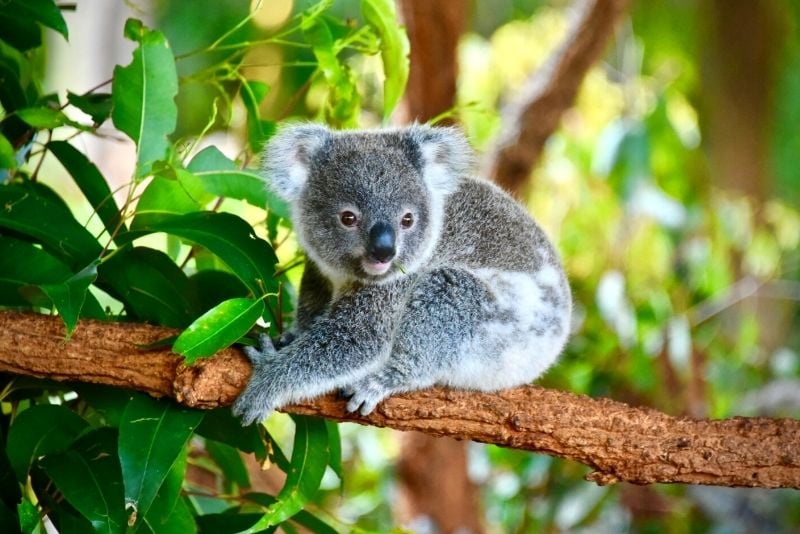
(315, 296)
(343, 344)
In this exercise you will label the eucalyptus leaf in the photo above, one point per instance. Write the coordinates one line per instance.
(162, 516)
(70, 295)
(343, 98)
(29, 520)
(24, 264)
(45, 118)
(150, 285)
(41, 430)
(88, 475)
(143, 94)
(35, 211)
(222, 426)
(8, 159)
(218, 328)
(92, 184)
(232, 240)
(45, 12)
(211, 287)
(96, 105)
(382, 15)
(221, 177)
(171, 192)
(335, 447)
(310, 457)
(229, 461)
(20, 32)
(152, 438)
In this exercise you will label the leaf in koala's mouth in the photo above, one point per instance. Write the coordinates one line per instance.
(400, 267)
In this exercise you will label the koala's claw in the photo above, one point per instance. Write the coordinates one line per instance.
(262, 353)
(365, 396)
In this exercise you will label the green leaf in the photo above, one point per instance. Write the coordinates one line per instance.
(21, 33)
(29, 521)
(162, 517)
(144, 99)
(41, 430)
(69, 295)
(381, 15)
(36, 211)
(335, 446)
(171, 192)
(8, 157)
(96, 105)
(152, 436)
(233, 520)
(258, 130)
(221, 177)
(91, 183)
(232, 240)
(179, 521)
(45, 12)
(110, 402)
(150, 285)
(45, 118)
(9, 522)
(212, 287)
(89, 477)
(229, 461)
(310, 457)
(220, 425)
(23, 264)
(343, 99)
(218, 328)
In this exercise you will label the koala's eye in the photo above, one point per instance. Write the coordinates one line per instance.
(407, 221)
(348, 218)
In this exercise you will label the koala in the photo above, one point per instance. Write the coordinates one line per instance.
(417, 273)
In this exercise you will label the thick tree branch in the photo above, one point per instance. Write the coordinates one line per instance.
(534, 113)
(618, 442)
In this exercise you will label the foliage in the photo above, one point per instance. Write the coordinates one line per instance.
(662, 262)
(97, 459)
(676, 281)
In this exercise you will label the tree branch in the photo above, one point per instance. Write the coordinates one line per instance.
(619, 442)
(534, 113)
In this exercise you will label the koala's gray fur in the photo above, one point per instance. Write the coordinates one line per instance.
(475, 296)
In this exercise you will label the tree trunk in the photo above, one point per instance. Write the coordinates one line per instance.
(535, 112)
(432, 473)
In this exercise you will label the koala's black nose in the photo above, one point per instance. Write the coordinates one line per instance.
(380, 246)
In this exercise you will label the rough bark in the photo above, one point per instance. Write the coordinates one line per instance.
(619, 442)
(534, 113)
(434, 29)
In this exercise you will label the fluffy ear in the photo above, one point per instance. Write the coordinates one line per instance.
(446, 156)
(288, 155)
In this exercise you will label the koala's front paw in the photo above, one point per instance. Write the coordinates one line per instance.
(260, 396)
(262, 354)
(365, 395)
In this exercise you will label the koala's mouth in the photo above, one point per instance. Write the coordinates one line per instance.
(375, 268)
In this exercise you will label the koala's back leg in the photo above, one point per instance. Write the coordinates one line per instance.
(443, 311)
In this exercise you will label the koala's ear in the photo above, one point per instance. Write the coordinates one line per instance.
(288, 155)
(446, 156)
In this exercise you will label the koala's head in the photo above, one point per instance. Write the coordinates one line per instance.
(367, 205)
